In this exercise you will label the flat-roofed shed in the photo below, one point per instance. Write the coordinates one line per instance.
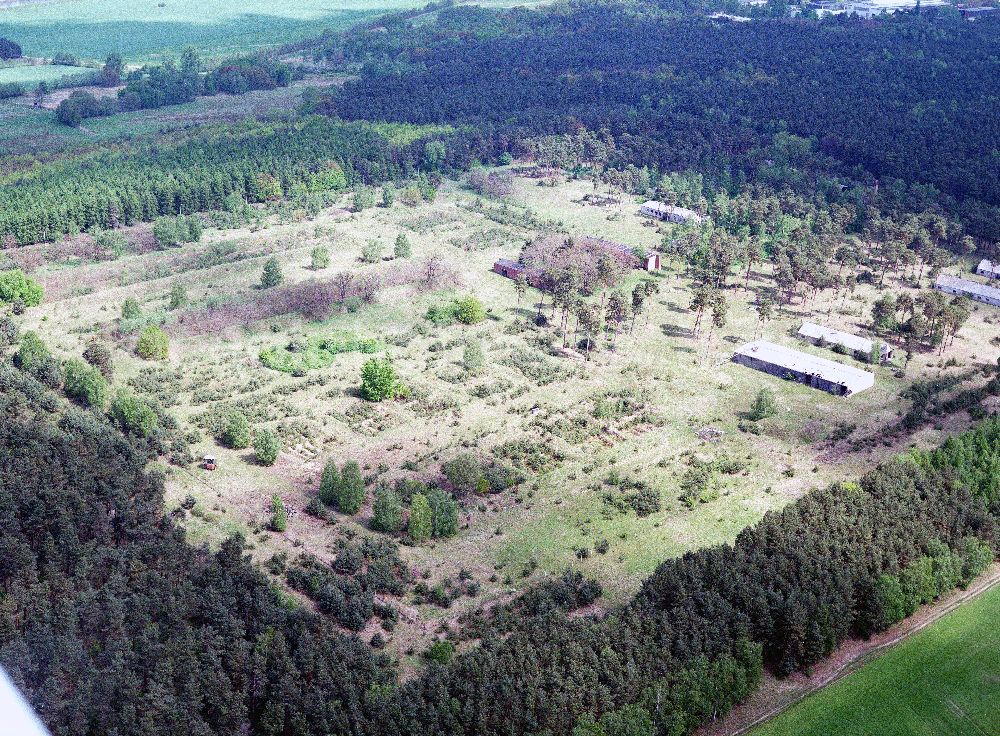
(828, 375)
(859, 346)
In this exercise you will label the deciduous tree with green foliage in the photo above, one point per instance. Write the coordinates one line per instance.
(153, 344)
(236, 434)
(351, 489)
(132, 415)
(378, 380)
(387, 511)
(421, 523)
(469, 310)
(266, 446)
(16, 287)
(84, 383)
(271, 275)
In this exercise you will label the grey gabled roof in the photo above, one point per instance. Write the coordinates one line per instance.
(987, 267)
(829, 335)
(968, 287)
(854, 379)
(669, 209)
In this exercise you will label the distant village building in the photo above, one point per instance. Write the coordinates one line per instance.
(972, 13)
(859, 347)
(870, 8)
(988, 268)
(873, 8)
(669, 212)
(730, 17)
(794, 365)
(972, 289)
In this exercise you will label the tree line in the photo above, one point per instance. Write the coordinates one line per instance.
(205, 170)
(159, 85)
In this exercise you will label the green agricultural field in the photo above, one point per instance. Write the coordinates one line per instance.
(32, 74)
(140, 29)
(943, 681)
(145, 29)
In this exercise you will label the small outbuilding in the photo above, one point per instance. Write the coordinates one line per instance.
(860, 347)
(515, 269)
(989, 269)
(794, 365)
(669, 212)
(971, 289)
(650, 260)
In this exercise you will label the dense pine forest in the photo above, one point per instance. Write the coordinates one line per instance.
(112, 623)
(896, 99)
(203, 171)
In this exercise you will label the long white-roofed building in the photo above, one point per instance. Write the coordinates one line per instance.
(794, 365)
(669, 212)
(858, 346)
(972, 289)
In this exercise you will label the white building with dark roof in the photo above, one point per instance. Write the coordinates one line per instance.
(989, 269)
(859, 347)
(669, 212)
(972, 289)
(794, 365)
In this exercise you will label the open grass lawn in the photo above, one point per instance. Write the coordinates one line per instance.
(942, 681)
(147, 29)
(565, 513)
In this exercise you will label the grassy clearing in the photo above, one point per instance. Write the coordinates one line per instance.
(28, 129)
(941, 681)
(560, 516)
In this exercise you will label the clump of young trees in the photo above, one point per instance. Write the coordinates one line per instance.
(379, 381)
(169, 232)
(18, 290)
